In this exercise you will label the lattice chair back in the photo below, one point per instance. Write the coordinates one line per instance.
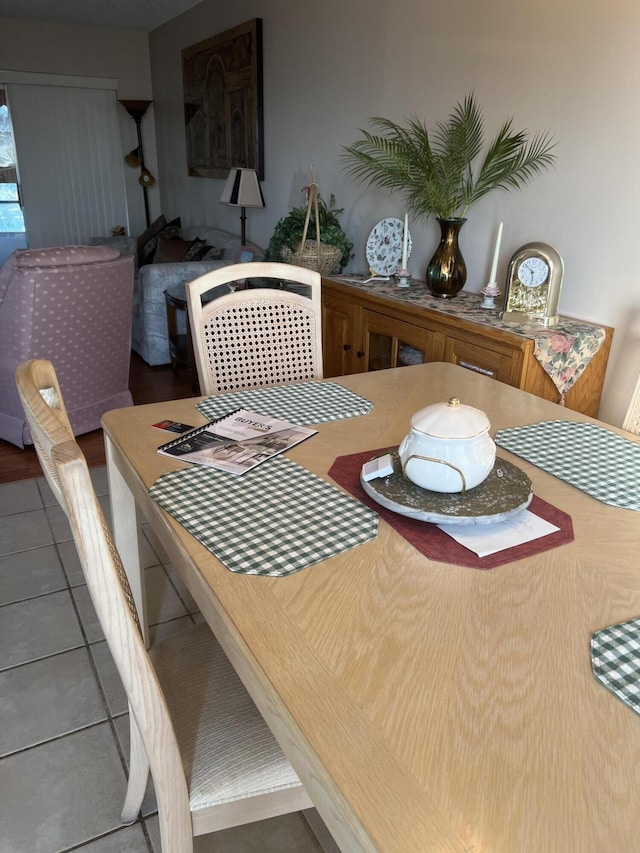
(632, 417)
(256, 338)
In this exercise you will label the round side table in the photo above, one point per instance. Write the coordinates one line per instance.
(180, 345)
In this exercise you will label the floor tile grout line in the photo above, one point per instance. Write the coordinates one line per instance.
(56, 545)
(25, 749)
(145, 829)
(176, 590)
(36, 596)
(104, 835)
(48, 656)
(26, 550)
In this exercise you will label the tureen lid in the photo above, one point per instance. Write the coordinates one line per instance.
(450, 420)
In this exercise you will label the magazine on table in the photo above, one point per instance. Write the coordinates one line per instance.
(237, 442)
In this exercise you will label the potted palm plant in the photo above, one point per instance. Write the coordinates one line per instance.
(439, 173)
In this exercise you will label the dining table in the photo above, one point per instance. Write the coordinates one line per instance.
(426, 704)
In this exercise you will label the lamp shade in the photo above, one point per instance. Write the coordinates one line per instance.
(242, 189)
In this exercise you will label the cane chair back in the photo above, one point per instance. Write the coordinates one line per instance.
(260, 337)
(632, 418)
(213, 760)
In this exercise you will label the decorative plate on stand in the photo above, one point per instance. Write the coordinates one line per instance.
(384, 246)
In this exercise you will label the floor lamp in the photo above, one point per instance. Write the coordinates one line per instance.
(136, 110)
(242, 190)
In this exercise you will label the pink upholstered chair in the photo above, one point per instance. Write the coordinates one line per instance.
(71, 305)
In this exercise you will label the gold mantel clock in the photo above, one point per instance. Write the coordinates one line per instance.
(534, 279)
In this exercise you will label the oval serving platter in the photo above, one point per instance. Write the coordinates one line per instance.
(506, 492)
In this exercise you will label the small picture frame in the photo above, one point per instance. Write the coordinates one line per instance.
(244, 255)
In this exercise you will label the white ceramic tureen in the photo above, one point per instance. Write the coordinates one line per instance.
(449, 448)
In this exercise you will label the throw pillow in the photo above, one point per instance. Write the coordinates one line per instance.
(173, 228)
(171, 250)
(201, 251)
(148, 240)
(214, 255)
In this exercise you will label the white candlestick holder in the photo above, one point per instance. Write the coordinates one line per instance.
(490, 292)
(403, 278)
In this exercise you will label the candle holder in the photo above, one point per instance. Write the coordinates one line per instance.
(403, 278)
(490, 292)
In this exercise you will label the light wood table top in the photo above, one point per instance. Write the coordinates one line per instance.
(426, 706)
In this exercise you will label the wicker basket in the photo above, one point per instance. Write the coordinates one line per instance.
(313, 256)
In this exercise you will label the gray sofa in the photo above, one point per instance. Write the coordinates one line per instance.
(150, 334)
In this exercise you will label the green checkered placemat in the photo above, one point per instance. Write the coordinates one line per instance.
(615, 660)
(274, 520)
(601, 463)
(306, 403)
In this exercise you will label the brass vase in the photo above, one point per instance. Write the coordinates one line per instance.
(447, 272)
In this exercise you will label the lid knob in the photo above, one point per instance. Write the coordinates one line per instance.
(454, 402)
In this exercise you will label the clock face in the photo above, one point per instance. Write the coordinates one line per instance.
(532, 272)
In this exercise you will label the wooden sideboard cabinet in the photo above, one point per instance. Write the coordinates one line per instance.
(373, 327)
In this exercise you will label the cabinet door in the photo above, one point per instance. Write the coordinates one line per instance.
(393, 343)
(498, 364)
(341, 337)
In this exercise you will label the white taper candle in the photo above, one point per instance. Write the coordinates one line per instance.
(496, 252)
(405, 242)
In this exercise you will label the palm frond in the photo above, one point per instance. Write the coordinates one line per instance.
(511, 162)
(434, 171)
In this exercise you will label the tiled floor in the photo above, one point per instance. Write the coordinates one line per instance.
(64, 727)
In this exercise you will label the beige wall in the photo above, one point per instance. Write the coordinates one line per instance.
(84, 51)
(572, 68)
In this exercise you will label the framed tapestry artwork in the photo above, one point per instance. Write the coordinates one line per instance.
(222, 79)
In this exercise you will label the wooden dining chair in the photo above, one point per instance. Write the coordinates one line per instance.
(632, 418)
(45, 412)
(256, 338)
(214, 762)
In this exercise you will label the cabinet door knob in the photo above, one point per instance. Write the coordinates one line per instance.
(360, 354)
(346, 347)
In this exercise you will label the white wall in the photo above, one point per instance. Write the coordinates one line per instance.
(572, 68)
(89, 52)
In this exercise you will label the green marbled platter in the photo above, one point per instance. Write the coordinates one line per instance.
(505, 492)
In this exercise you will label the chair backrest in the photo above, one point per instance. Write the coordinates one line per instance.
(632, 418)
(44, 409)
(66, 467)
(256, 338)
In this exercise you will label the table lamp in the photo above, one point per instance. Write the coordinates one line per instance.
(242, 190)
